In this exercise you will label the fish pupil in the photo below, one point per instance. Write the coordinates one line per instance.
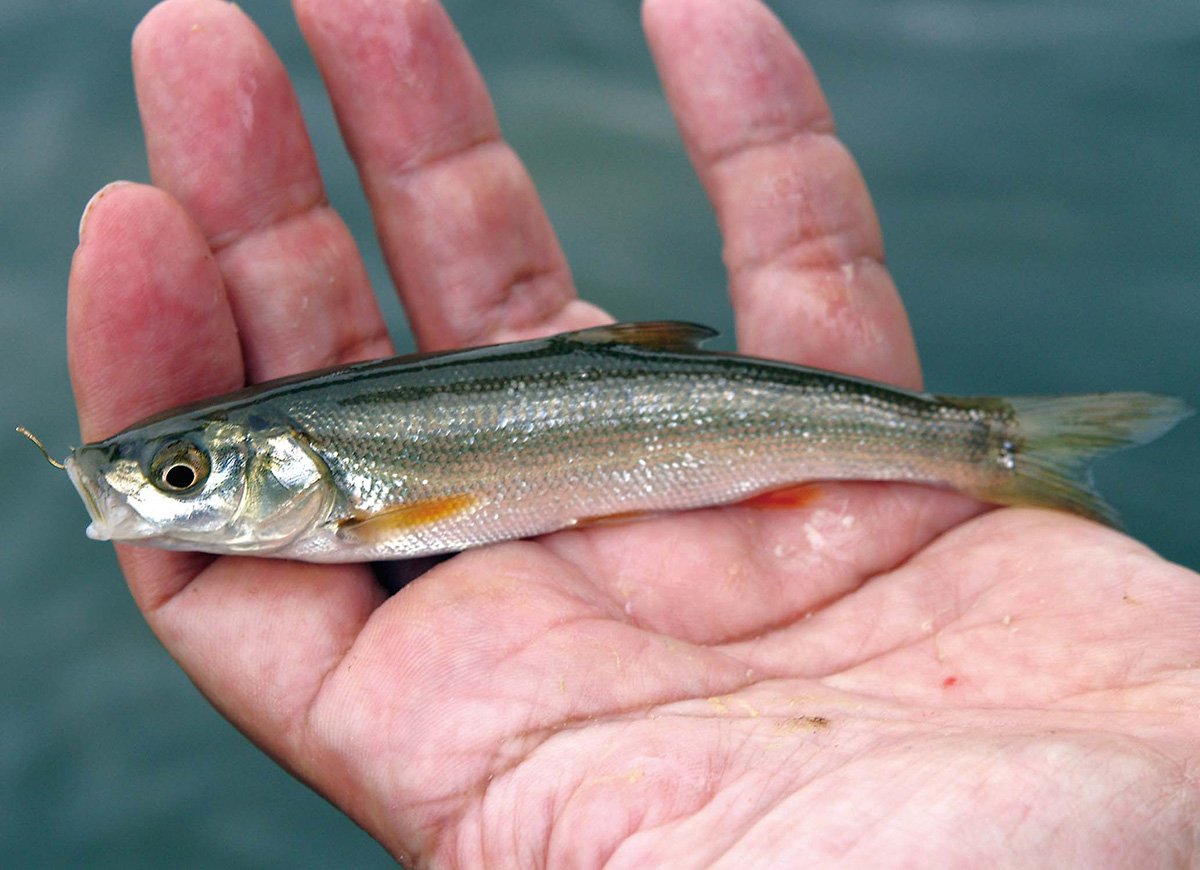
(179, 476)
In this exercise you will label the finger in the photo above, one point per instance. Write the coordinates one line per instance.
(144, 287)
(463, 232)
(225, 137)
(802, 244)
(148, 327)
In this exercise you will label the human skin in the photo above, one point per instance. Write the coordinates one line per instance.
(885, 674)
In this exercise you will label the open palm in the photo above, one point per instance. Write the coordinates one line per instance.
(885, 673)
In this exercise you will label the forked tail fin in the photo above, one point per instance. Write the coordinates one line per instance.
(1061, 435)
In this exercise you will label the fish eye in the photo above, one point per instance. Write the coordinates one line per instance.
(179, 467)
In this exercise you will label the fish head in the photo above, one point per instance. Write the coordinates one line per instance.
(219, 485)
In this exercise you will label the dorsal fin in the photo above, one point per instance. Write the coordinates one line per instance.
(654, 334)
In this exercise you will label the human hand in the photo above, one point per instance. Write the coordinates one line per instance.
(884, 672)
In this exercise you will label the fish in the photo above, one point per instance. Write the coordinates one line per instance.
(434, 453)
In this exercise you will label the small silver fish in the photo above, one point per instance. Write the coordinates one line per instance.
(435, 453)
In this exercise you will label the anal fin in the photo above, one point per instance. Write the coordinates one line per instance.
(795, 496)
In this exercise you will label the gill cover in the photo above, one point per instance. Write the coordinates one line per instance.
(288, 490)
(226, 485)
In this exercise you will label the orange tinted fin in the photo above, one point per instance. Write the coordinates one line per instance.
(398, 520)
(654, 334)
(800, 495)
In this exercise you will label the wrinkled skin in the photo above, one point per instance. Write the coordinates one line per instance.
(885, 674)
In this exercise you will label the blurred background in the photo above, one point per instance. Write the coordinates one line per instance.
(1036, 169)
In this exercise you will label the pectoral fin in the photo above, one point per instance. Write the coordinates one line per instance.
(397, 521)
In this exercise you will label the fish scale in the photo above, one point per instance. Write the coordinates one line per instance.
(634, 431)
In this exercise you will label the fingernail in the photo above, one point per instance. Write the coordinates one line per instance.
(87, 209)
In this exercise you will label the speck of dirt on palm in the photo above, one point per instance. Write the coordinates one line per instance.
(803, 723)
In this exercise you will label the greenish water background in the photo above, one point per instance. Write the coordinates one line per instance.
(1035, 166)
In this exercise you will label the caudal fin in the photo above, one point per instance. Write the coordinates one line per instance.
(1061, 435)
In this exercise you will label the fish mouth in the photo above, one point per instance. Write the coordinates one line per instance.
(85, 493)
(111, 518)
